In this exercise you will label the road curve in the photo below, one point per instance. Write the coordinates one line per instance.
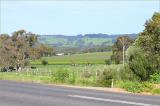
(28, 94)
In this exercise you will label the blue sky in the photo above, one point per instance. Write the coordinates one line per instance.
(76, 17)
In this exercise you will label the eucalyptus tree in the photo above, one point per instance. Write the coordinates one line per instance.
(119, 48)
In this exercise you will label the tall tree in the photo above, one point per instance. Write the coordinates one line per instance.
(149, 40)
(119, 48)
(144, 56)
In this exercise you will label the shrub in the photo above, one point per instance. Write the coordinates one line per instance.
(139, 63)
(72, 78)
(109, 73)
(127, 74)
(108, 62)
(61, 75)
(44, 62)
(137, 87)
(3, 69)
(155, 78)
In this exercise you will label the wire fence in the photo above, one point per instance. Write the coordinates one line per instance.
(81, 75)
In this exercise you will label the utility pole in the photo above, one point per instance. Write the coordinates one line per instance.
(112, 83)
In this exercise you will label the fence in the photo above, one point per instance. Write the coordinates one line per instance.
(81, 75)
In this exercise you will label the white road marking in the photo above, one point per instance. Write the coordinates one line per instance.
(111, 100)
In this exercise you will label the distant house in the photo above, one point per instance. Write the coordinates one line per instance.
(59, 54)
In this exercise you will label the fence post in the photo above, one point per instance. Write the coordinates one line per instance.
(112, 83)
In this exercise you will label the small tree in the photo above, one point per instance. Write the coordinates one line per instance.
(15, 49)
(44, 62)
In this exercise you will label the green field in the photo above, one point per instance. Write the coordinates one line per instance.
(97, 41)
(85, 58)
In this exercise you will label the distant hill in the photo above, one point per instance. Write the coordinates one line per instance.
(80, 41)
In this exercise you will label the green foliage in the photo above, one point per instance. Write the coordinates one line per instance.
(79, 75)
(109, 73)
(61, 75)
(139, 63)
(155, 78)
(18, 49)
(122, 43)
(135, 87)
(149, 39)
(144, 57)
(127, 74)
(147, 86)
(72, 78)
(15, 49)
(95, 75)
(108, 61)
(44, 62)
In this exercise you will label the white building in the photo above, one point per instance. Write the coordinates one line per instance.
(59, 54)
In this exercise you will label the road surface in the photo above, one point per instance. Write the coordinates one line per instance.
(27, 94)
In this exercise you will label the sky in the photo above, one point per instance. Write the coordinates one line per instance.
(76, 17)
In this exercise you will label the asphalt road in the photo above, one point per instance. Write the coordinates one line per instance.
(27, 94)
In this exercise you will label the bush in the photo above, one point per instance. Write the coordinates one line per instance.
(108, 62)
(44, 62)
(3, 69)
(127, 74)
(155, 78)
(109, 73)
(72, 78)
(137, 87)
(61, 75)
(7, 69)
(139, 63)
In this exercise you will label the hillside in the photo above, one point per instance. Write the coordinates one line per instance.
(79, 41)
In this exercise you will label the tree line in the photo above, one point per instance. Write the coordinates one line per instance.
(143, 54)
(17, 49)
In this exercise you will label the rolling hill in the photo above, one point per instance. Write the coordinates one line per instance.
(80, 41)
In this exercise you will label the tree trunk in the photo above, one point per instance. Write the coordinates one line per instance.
(123, 55)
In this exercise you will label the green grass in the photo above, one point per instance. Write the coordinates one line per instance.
(80, 75)
(91, 58)
(156, 91)
(135, 87)
(138, 87)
